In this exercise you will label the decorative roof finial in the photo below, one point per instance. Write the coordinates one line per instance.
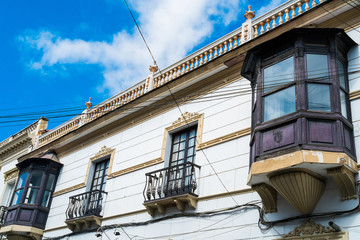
(153, 68)
(88, 104)
(249, 14)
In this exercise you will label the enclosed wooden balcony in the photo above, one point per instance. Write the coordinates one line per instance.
(171, 186)
(85, 209)
(302, 131)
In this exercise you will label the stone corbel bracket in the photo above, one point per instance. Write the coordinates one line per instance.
(268, 196)
(179, 201)
(79, 223)
(345, 180)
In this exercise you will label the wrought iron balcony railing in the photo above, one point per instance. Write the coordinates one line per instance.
(3, 211)
(86, 204)
(171, 181)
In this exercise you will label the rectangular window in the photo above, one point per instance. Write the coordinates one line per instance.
(9, 189)
(183, 146)
(341, 73)
(279, 74)
(343, 98)
(49, 188)
(279, 103)
(19, 188)
(34, 187)
(317, 67)
(319, 97)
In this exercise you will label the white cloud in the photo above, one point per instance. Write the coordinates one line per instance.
(171, 28)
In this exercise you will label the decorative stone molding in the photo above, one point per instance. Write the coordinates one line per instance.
(313, 231)
(185, 117)
(179, 201)
(225, 138)
(11, 174)
(301, 189)
(345, 180)
(69, 189)
(136, 167)
(19, 232)
(354, 95)
(104, 151)
(15, 146)
(268, 196)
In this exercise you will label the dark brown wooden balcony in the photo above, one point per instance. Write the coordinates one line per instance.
(171, 186)
(85, 209)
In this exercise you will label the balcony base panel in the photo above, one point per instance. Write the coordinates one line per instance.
(180, 202)
(19, 232)
(300, 177)
(78, 224)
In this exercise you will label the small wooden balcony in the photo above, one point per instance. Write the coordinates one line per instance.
(85, 209)
(171, 186)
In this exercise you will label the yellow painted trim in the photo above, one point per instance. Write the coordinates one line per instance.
(136, 167)
(185, 119)
(304, 156)
(354, 95)
(69, 189)
(225, 138)
(21, 228)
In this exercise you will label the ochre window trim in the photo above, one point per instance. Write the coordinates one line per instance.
(103, 152)
(186, 119)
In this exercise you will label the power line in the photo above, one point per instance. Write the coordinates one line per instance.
(177, 105)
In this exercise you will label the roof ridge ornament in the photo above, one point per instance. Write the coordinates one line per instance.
(88, 104)
(249, 14)
(247, 31)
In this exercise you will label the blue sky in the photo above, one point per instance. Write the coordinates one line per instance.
(57, 54)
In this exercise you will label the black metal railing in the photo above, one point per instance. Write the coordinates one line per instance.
(171, 181)
(86, 204)
(3, 211)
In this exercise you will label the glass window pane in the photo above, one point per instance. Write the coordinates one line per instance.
(190, 151)
(50, 182)
(46, 198)
(183, 136)
(279, 74)
(191, 142)
(192, 133)
(36, 178)
(317, 67)
(181, 154)
(279, 103)
(343, 103)
(341, 73)
(31, 195)
(319, 97)
(176, 148)
(182, 145)
(17, 197)
(22, 180)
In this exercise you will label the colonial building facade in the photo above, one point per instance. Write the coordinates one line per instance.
(255, 136)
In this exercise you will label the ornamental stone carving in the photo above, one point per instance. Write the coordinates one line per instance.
(104, 151)
(10, 174)
(185, 116)
(309, 228)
